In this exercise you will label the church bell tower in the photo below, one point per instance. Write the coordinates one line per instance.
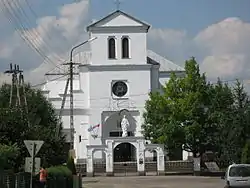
(121, 39)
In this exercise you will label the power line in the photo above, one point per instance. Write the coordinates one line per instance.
(14, 20)
(43, 29)
(43, 83)
(17, 6)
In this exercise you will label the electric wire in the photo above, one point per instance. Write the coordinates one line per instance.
(14, 21)
(42, 28)
(54, 79)
(19, 12)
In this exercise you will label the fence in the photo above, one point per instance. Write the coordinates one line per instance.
(131, 167)
(186, 167)
(22, 180)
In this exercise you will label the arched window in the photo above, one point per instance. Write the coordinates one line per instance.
(125, 47)
(111, 48)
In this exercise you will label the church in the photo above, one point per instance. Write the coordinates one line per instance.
(110, 87)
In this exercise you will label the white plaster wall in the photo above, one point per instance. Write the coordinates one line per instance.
(84, 85)
(82, 130)
(81, 122)
(56, 91)
(99, 48)
(101, 96)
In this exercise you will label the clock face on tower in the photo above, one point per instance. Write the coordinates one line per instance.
(119, 88)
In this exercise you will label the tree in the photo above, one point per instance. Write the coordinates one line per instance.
(43, 122)
(221, 115)
(180, 115)
(157, 117)
(241, 119)
(245, 157)
(8, 155)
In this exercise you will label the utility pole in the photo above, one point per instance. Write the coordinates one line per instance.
(17, 83)
(70, 83)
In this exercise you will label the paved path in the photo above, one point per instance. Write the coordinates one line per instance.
(153, 182)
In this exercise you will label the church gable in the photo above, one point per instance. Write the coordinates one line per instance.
(118, 19)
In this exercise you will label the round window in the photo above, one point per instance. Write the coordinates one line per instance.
(119, 88)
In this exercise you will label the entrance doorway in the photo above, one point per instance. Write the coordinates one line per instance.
(124, 152)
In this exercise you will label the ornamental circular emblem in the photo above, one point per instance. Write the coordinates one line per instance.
(119, 88)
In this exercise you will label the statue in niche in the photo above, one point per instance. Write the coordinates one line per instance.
(124, 126)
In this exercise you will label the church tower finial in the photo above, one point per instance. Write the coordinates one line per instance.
(118, 3)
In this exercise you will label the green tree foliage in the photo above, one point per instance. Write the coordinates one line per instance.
(201, 116)
(178, 116)
(43, 122)
(8, 155)
(245, 157)
(240, 130)
(220, 115)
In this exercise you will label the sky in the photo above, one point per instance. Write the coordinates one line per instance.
(216, 32)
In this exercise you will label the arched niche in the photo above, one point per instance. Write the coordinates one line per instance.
(111, 121)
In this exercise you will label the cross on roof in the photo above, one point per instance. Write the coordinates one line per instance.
(118, 3)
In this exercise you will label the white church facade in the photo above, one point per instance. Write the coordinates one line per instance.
(111, 87)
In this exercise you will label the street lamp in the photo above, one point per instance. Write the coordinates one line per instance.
(71, 90)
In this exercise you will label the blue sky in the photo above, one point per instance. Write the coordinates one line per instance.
(189, 15)
(217, 32)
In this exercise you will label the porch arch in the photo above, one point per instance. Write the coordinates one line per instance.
(91, 149)
(159, 149)
(124, 152)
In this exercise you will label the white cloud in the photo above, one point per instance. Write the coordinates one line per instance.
(166, 41)
(224, 66)
(226, 45)
(231, 35)
(52, 36)
(221, 48)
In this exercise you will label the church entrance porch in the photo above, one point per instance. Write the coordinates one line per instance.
(123, 168)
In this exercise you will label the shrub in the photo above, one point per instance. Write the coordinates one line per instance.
(59, 171)
(71, 165)
(245, 157)
(59, 176)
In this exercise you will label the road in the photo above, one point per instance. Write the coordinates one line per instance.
(153, 182)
